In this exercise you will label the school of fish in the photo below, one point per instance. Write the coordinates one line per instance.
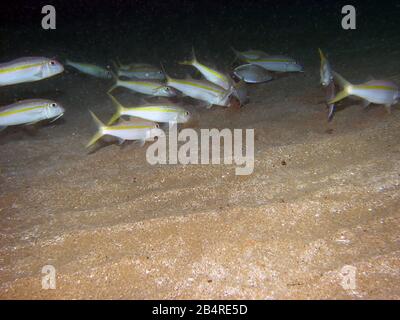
(214, 88)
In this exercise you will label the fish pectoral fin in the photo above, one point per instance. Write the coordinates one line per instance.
(120, 141)
(56, 118)
(331, 112)
(341, 95)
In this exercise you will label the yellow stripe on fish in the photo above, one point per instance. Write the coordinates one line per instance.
(11, 112)
(13, 69)
(189, 83)
(367, 87)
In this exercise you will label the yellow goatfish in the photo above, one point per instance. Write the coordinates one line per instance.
(29, 112)
(202, 90)
(249, 54)
(325, 70)
(148, 87)
(158, 112)
(139, 71)
(374, 91)
(28, 69)
(90, 69)
(134, 129)
(210, 74)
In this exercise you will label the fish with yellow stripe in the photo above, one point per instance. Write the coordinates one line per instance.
(326, 78)
(210, 74)
(202, 90)
(277, 63)
(28, 69)
(384, 92)
(158, 112)
(133, 129)
(90, 69)
(139, 71)
(249, 54)
(31, 111)
(147, 87)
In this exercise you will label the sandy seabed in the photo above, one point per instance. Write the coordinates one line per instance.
(322, 196)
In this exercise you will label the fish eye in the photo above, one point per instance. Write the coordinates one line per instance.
(52, 63)
(157, 125)
(53, 105)
(187, 113)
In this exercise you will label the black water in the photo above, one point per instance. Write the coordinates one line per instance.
(154, 31)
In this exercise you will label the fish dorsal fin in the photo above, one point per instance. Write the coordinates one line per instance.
(370, 78)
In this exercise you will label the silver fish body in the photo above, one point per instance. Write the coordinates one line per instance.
(90, 69)
(146, 72)
(147, 87)
(133, 129)
(326, 75)
(30, 111)
(201, 90)
(250, 54)
(251, 73)
(384, 92)
(212, 75)
(28, 69)
(158, 112)
(277, 64)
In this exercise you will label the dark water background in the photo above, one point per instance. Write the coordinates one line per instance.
(153, 31)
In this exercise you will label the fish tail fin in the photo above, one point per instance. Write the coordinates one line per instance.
(341, 81)
(346, 85)
(340, 96)
(321, 55)
(100, 128)
(192, 60)
(167, 77)
(116, 79)
(118, 112)
(331, 112)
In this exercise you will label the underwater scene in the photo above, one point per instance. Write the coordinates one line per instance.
(199, 149)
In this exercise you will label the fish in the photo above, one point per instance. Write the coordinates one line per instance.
(277, 63)
(325, 70)
(384, 92)
(30, 111)
(139, 71)
(241, 92)
(158, 112)
(250, 54)
(251, 73)
(148, 87)
(330, 94)
(134, 129)
(202, 90)
(28, 69)
(210, 74)
(90, 69)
